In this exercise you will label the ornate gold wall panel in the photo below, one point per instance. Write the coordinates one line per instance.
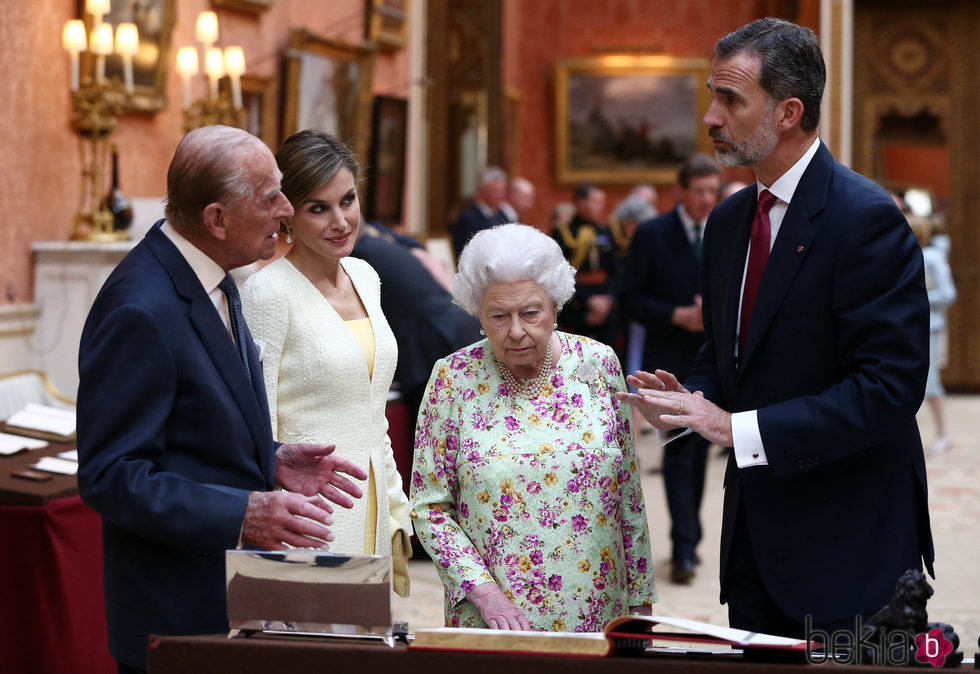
(466, 91)
(916, 60)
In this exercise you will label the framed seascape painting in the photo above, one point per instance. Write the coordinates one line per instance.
(628, 119)
(328, 87)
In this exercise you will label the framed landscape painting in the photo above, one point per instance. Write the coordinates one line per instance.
(328, 87)
(628, 119)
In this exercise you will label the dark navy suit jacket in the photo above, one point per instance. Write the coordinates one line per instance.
(662, 274)
(835, 363)
(470, 221)
(172, 437)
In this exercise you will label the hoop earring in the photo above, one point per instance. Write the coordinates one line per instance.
(287, 230)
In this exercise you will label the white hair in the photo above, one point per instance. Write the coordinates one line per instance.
(507, 254)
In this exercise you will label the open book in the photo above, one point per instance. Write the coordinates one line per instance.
(623, 634)
(44, 422)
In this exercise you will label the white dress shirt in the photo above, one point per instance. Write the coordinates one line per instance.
(688, 222)
(746, 437)
(208, 272)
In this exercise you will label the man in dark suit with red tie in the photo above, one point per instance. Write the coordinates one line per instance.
(817, 339)
(175, 443)
(660, 291)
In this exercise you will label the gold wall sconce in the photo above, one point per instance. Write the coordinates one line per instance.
(218, 107)
(97, 103)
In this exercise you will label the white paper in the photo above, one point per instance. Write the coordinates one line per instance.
(71, 455)
(51, 464)
(11, 444)
(44, 418)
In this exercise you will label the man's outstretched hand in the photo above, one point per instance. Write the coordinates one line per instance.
(312, 469)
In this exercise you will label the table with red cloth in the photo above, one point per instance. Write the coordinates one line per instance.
(52, 609)
(52, 612)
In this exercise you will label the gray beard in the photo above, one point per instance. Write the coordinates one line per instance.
(751, 151)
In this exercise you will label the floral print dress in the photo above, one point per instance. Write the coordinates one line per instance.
(541, 496)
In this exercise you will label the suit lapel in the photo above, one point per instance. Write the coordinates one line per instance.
(790, 248)
(739, 244)
(217, 341)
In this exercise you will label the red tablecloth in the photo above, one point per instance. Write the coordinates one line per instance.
(52, 613)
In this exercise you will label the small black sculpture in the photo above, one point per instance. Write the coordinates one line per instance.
(892, 632)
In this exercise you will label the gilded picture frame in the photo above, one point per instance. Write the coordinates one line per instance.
(155, 20)
(386, 165)
(387, 23)
(628, 119)
(328, 87)
(254, 7)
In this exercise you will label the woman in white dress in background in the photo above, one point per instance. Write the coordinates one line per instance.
(329, 355)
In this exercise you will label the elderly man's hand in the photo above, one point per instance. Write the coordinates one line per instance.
(496, 609)
(273, 518)
(312, 469)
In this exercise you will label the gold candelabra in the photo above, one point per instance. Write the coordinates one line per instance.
(219, 107)
(96, 112)
(97, 103)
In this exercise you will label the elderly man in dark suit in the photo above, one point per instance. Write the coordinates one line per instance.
(660, 291)
(817, 345)
(488, 209)
(174, 439)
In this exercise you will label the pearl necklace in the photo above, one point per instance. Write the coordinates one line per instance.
(528, 388)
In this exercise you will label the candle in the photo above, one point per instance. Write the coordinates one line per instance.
(214, 66)
(101, 46)
(73, 39)
(127, 45)
(235, 67)
(97, 8)
(207, 28)
(187, 66)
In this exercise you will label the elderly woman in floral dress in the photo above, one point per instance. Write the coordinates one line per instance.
(525, 488)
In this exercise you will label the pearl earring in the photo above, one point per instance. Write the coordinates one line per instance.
(287, 230)
(554, 326)
(482, 332)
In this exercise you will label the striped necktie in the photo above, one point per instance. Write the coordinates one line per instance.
(236, 318)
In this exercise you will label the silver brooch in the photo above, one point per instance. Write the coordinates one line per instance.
(587, 373)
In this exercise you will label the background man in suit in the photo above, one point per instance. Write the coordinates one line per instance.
(174, 438)
(588, 244)
(426, 322)
(817, 386)
(488, 209)
(660, 291)
(520, 199)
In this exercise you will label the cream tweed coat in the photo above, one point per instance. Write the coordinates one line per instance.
(319, 390)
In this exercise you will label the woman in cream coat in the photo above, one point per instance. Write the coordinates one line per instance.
(329, 355)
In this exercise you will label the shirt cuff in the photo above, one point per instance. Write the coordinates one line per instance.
(748, 440)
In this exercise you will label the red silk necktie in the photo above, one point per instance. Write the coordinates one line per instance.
(758, 256)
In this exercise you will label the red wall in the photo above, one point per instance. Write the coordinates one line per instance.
(542, 31)
(40, 181)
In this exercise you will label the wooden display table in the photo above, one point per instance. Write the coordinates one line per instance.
(304, 655)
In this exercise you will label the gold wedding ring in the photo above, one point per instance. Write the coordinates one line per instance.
(681, 410)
